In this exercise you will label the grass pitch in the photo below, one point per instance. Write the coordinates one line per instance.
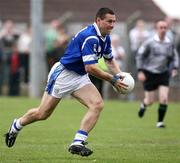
(119, 136)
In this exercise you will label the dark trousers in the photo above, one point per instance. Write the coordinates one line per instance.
(98, 83)
(14, 84)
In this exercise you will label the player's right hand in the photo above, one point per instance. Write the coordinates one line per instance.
(120, 85)
(141, 76)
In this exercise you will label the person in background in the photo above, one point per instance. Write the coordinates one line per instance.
(69, 76)
(137, 35)
(118, 51)
(170, 31)
(24, 48)
(1, 67)
(60, 43)
(51, 35)
(8, 37)
(153, 60)
(14, 73)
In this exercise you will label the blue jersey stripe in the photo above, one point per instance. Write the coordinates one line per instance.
(90, 62)
(53, 78)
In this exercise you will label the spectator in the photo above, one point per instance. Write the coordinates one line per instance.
(1, 68)
(8, 36)
(14, 73)
(24, 46)
(170, 32)
(137, 35)
(118, 51)
(60, 43)
(51, 35)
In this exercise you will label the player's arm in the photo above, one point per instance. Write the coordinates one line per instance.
(112, 66)
(175, 61)
(142, 53)
(89, 56)
(94, 70)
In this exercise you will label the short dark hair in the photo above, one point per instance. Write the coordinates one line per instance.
(103, 11)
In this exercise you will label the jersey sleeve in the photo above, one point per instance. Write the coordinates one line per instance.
(175, 58)
(89, 50)
(142, 53)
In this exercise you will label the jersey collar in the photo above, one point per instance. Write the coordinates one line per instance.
(98, 32)
(166, 39)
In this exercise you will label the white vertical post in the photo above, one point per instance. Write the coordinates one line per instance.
(38, 67)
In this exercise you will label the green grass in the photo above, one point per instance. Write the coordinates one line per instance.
(119, 136)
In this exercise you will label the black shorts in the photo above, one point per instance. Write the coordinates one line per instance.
(153, 81)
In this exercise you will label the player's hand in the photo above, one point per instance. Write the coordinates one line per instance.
(120, 85)
(174, 73)
(141, 76)
(117, 82)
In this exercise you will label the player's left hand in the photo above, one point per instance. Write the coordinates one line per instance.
(174, 73)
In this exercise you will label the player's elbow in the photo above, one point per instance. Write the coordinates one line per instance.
(90, 69)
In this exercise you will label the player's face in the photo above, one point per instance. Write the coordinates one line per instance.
(162, 28)
(107, 24)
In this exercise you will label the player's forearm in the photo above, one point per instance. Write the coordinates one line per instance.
(113, 67)
(97, 72)
(139, 62)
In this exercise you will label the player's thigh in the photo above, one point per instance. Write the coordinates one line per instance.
(149, 97)
(163, 94)
(48, 104)
(89, 96)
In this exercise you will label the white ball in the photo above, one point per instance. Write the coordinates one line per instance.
(129, 81)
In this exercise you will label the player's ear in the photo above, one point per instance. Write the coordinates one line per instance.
(98, 19)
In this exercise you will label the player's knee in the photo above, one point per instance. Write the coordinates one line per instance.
(149, 102)
(100, 106)
(97, 105)
(163, 100)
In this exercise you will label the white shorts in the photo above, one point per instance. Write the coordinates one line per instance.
(62, 82)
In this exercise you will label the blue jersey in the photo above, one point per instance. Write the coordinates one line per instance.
(86, 47)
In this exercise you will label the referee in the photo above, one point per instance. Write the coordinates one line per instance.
(153, 60)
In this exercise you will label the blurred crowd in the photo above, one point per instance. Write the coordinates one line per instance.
(15, 50)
